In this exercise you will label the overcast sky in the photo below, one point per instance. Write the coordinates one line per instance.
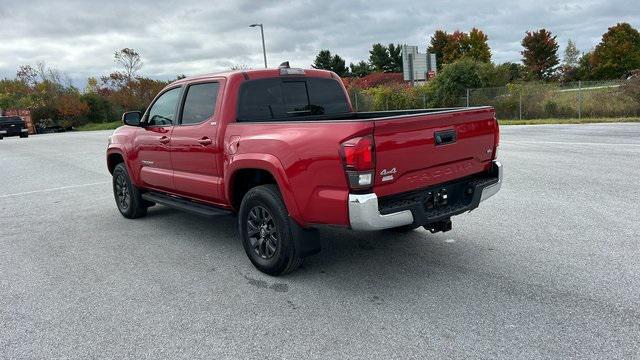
(194, 37)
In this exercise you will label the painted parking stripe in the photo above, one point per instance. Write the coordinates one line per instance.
(565, 143)
(54, 189)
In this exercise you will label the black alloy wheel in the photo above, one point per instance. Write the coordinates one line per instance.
(122, 193)
(262, 232)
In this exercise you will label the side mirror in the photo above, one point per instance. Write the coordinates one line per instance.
(132, 118)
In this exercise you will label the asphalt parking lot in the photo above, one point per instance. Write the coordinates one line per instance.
(548, 268)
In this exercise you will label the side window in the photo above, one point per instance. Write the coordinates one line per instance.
(200, 103)
(163, 111)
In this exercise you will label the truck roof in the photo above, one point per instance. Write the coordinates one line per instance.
(255, 74)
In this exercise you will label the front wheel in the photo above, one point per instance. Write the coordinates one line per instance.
(127, 196)
(266, 231)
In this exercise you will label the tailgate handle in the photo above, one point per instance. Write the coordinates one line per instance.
(444, 137)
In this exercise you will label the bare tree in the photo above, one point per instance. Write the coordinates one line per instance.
(27, 75)
(239, 67)
(129, 60)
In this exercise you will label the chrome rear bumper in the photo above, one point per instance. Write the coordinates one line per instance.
(364, 211)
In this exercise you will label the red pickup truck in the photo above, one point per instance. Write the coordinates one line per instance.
(284, 151)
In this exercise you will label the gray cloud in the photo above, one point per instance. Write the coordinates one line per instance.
(191, 37)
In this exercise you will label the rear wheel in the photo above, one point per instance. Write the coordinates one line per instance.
(266, 233)
(127, 196)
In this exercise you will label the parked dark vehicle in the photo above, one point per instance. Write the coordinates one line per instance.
(48, 126)
(13, 126)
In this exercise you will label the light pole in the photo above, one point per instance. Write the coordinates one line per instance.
(264, 49)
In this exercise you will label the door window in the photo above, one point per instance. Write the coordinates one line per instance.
(163, 111)
(200, 103)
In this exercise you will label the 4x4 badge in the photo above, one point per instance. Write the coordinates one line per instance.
(387, 175)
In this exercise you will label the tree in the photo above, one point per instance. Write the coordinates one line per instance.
(618, 52)
(456, 47)
(438, 44)
(512, 71)
(570, 61)
(571, 54)
(451, 83)
(360, 69)
(477, 47)
(92, 85)
(449, 87)
(540, 54)
(450, 48)
(395, 57)
(129, 60)
(27, 75)
(232, 67)
(584, 70)
(379, 57)
(70, 107)
(99, 108)
(338, 65)
(323, 60)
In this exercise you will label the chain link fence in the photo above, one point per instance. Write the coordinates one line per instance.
(593, 99)
(575, 100)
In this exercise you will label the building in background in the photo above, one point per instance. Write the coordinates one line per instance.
(417, 67)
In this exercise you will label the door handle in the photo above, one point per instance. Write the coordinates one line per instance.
(205, 141)
(164, 139)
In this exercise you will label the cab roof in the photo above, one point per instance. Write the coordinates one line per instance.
(255, 74)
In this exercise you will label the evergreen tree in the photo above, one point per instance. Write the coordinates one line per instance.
(379, 57)
(395, 55)
(360, 69)
(323, 60)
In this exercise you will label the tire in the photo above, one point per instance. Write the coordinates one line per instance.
(266, 231)
(127, 196)
(24, 135)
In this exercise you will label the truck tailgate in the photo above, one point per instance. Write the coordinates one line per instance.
(417, 151)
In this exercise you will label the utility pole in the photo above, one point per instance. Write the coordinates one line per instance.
(264, 49)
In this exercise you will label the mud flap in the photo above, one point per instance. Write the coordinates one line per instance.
(307, 241)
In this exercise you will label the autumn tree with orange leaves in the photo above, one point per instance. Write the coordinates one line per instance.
(540, 54)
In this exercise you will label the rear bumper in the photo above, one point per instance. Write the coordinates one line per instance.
(368, 212)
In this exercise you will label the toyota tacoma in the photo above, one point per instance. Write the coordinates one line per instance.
(284, 151)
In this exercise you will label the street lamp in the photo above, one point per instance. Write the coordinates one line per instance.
(264, 50)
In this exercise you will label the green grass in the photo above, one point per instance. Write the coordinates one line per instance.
(99, 126)
(566, 121)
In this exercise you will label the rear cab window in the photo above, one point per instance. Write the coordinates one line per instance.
(295, 98)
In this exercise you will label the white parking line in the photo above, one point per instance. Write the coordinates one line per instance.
(53, 189)
(567, 143)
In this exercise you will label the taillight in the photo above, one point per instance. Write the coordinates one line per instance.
(496, 140)
(358, 158)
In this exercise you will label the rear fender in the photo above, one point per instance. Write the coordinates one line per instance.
(270, 164)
